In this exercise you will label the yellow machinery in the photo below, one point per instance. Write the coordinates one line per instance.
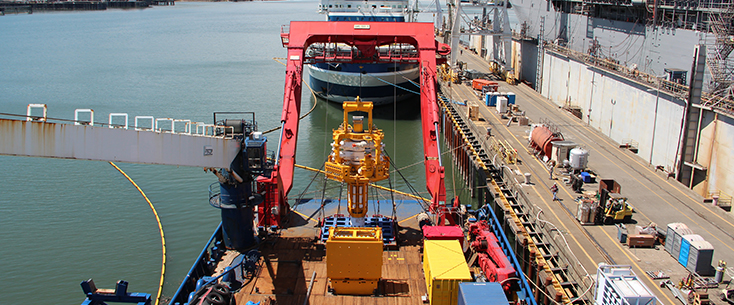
(357, 158)
(354, 260)
(446, 74)
(504, 149)
(617, 209)
(354, 255)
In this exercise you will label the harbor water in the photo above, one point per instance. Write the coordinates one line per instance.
(65, 221)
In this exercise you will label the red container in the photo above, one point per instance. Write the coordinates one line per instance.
(478, 83)
(443, 233)
(542, 139)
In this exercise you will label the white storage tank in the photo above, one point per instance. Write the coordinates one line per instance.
(578, 158)
(560, 150)
(501, 104)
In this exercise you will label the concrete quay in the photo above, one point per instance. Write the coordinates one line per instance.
(655, 198)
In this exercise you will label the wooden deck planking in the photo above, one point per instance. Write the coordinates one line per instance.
(288, 263)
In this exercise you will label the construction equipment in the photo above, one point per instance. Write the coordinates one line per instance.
(369, 35)
(357, 158)
(616, 209)
(612, 206)
(504, 150)
(492, 259)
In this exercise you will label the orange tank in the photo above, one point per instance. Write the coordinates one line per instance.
(542, 138)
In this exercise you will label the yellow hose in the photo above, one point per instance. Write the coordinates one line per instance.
(315, 100)
(371, 184)
(160, 229)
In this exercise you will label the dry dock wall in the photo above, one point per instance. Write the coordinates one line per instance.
(715, 150)
(625, 110)
(620, 108)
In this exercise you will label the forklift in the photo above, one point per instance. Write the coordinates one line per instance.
(613, 207)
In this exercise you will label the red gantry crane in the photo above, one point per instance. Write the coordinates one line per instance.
(365, 37)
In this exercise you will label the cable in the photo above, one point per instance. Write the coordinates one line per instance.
(389, 83)
(160, 229)
(541, 290)
(315, 101)
(537, 217)
(421, 162)
(407, 183)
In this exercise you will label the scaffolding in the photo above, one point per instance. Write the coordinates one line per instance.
(720, 44)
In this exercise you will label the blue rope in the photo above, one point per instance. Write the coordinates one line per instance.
(389, 83)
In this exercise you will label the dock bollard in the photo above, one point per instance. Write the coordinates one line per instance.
(527, 178)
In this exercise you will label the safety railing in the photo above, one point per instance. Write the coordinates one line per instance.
(614, 67)
(141, 123)
(721, 199)
(29, 112)
(725, 104)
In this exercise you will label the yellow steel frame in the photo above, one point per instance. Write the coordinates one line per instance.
(373, 167)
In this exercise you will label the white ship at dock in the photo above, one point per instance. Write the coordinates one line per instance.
(381, 83)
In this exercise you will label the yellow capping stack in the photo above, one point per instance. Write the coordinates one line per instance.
(444, 267)
(354, 259)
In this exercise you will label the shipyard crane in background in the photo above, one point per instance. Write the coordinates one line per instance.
(718, 61)
(484, 18)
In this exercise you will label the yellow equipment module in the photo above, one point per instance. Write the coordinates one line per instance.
(354, 259)
(357, 158)
(444, 267)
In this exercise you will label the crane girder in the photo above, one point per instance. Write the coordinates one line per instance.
(86, 142)
(365, 36)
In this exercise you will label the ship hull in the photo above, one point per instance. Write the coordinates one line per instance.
(372, 85)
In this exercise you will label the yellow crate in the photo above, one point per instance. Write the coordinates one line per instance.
(444, 267)
(354, 260)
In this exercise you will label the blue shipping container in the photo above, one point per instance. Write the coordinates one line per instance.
(510, 98)
(685, 247)
(492, 99)
(471, 293)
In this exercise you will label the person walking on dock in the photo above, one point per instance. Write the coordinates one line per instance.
(554, 190)
(552, 166)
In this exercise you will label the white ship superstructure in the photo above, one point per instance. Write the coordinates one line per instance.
(382, 83)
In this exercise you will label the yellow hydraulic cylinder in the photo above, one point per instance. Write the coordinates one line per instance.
(354, 260)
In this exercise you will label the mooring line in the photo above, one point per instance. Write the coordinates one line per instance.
(160, 229)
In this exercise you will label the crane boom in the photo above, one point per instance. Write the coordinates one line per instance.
(86, 142)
